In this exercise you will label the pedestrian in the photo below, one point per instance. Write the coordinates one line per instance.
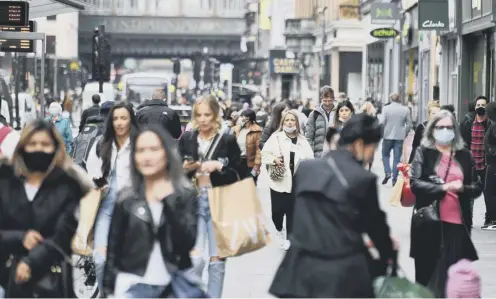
(336, 203)
(473, 131)
(344, 111)
(8, 139)
(40, 190)
(274, 122)
(109, 166)
(397, 124)
(62, 124)
(442, 173)
(92, 111)
(432, 109)
(248, 136)
(286, 148)
(155, 250)
(490, 159)
(319, 120)
(157, 112)
(463, 281)
(209, 167)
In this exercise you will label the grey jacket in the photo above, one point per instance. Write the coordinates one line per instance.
(397, 121)
(316, 129)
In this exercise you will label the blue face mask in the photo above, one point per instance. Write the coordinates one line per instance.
(444, 136)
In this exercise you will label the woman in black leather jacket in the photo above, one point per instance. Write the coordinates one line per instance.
(443, 171)
(40, 189)
(212, 167)
(153, 226)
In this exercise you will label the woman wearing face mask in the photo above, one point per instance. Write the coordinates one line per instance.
(443, 171)
(154, 223)
(248, 137)
(109, 165)
(287, 147)
(432, 109)
(345, 110)
(209, 167)
(39, 193)
(336, 202)
(62, 124)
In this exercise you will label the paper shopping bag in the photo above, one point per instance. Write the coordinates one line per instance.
(395, 199)
(82, 242)
(239, 223)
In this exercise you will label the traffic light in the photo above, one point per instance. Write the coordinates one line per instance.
(208, 71)
(197, 69)
(95, 55)
(101, 57)
(217, 72)
(177, 66)
(105, 59)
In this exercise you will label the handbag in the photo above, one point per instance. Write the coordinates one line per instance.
(430, 214)
(276, 172)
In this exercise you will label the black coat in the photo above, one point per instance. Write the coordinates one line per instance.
(157, 112)
(426, 241)
(133, 233)
(327, 257)
(227, 151)
(51, 213)
(92, 111)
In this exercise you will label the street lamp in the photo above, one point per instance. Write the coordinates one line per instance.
(322, 14)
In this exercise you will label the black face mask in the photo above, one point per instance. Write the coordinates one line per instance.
(38, 161)
(480, 111)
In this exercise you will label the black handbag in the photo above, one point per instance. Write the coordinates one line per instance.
(430, 214)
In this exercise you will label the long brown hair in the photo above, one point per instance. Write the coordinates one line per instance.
(61, 159)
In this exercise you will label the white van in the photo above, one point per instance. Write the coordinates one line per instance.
(92, 88)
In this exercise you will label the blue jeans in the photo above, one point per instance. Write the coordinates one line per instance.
(397, 147)
(102, 227)
(216, 269)
(141, 290)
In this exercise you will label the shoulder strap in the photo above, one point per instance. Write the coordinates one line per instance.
(213, 146)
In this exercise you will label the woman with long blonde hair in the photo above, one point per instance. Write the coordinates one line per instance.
(39, 193)
(211, 158)
(285, 149)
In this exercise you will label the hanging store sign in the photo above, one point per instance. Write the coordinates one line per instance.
(284, 62)
(384, 13)
(433, 15)
(384, 33)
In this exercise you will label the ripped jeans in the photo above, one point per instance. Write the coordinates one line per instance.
(216, 269)
(102, 227)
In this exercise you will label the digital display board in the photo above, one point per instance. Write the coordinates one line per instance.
(14, 13)
(19, 45)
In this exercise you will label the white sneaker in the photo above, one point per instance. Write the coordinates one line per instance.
(280, 238)
(286, 245)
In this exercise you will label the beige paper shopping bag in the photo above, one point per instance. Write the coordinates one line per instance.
(82, 242)
(395, 199)
(239, 222)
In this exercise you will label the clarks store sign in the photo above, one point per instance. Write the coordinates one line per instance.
(433, 15)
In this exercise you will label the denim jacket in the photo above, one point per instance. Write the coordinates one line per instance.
(64, 128)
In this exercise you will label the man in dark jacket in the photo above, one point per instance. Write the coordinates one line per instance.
(92, 111)
(157, 112)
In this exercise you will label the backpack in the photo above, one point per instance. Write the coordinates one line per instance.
(4, 131)
(84, 142)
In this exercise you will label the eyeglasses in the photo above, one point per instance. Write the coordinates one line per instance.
(444, 127)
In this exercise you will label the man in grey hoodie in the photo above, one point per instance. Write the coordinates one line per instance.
(397, 123)
(319, 120)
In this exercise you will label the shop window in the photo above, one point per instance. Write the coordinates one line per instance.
(476, 9)
(486, 7)
(466, 11)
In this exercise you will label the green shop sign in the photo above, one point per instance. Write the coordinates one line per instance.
(384, 33)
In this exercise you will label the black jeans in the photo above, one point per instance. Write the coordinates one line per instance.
(482, 174)
(490, 191)
(282, 204)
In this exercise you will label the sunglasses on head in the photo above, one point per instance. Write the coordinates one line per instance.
(444, 127)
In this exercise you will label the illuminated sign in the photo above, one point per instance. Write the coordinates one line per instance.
(384, 13)
(17, 45)
(284, 62)
(14, 13)
(384, 33)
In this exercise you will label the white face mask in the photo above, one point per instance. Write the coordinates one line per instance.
(288, 129)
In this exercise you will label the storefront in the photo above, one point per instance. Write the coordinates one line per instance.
(477, 48)
(375, 71)
(410, 40)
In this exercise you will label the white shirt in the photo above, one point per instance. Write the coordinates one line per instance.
(242, 141)
(156, 272)
(31, 191)
(120, 160)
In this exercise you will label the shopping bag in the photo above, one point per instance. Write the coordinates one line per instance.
(407, 197)
(393, 286)
(395, 197)
(82, 242)
(239, 223)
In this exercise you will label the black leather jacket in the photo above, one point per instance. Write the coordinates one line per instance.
(132, 234)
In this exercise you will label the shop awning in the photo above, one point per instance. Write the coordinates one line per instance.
(44, 8)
